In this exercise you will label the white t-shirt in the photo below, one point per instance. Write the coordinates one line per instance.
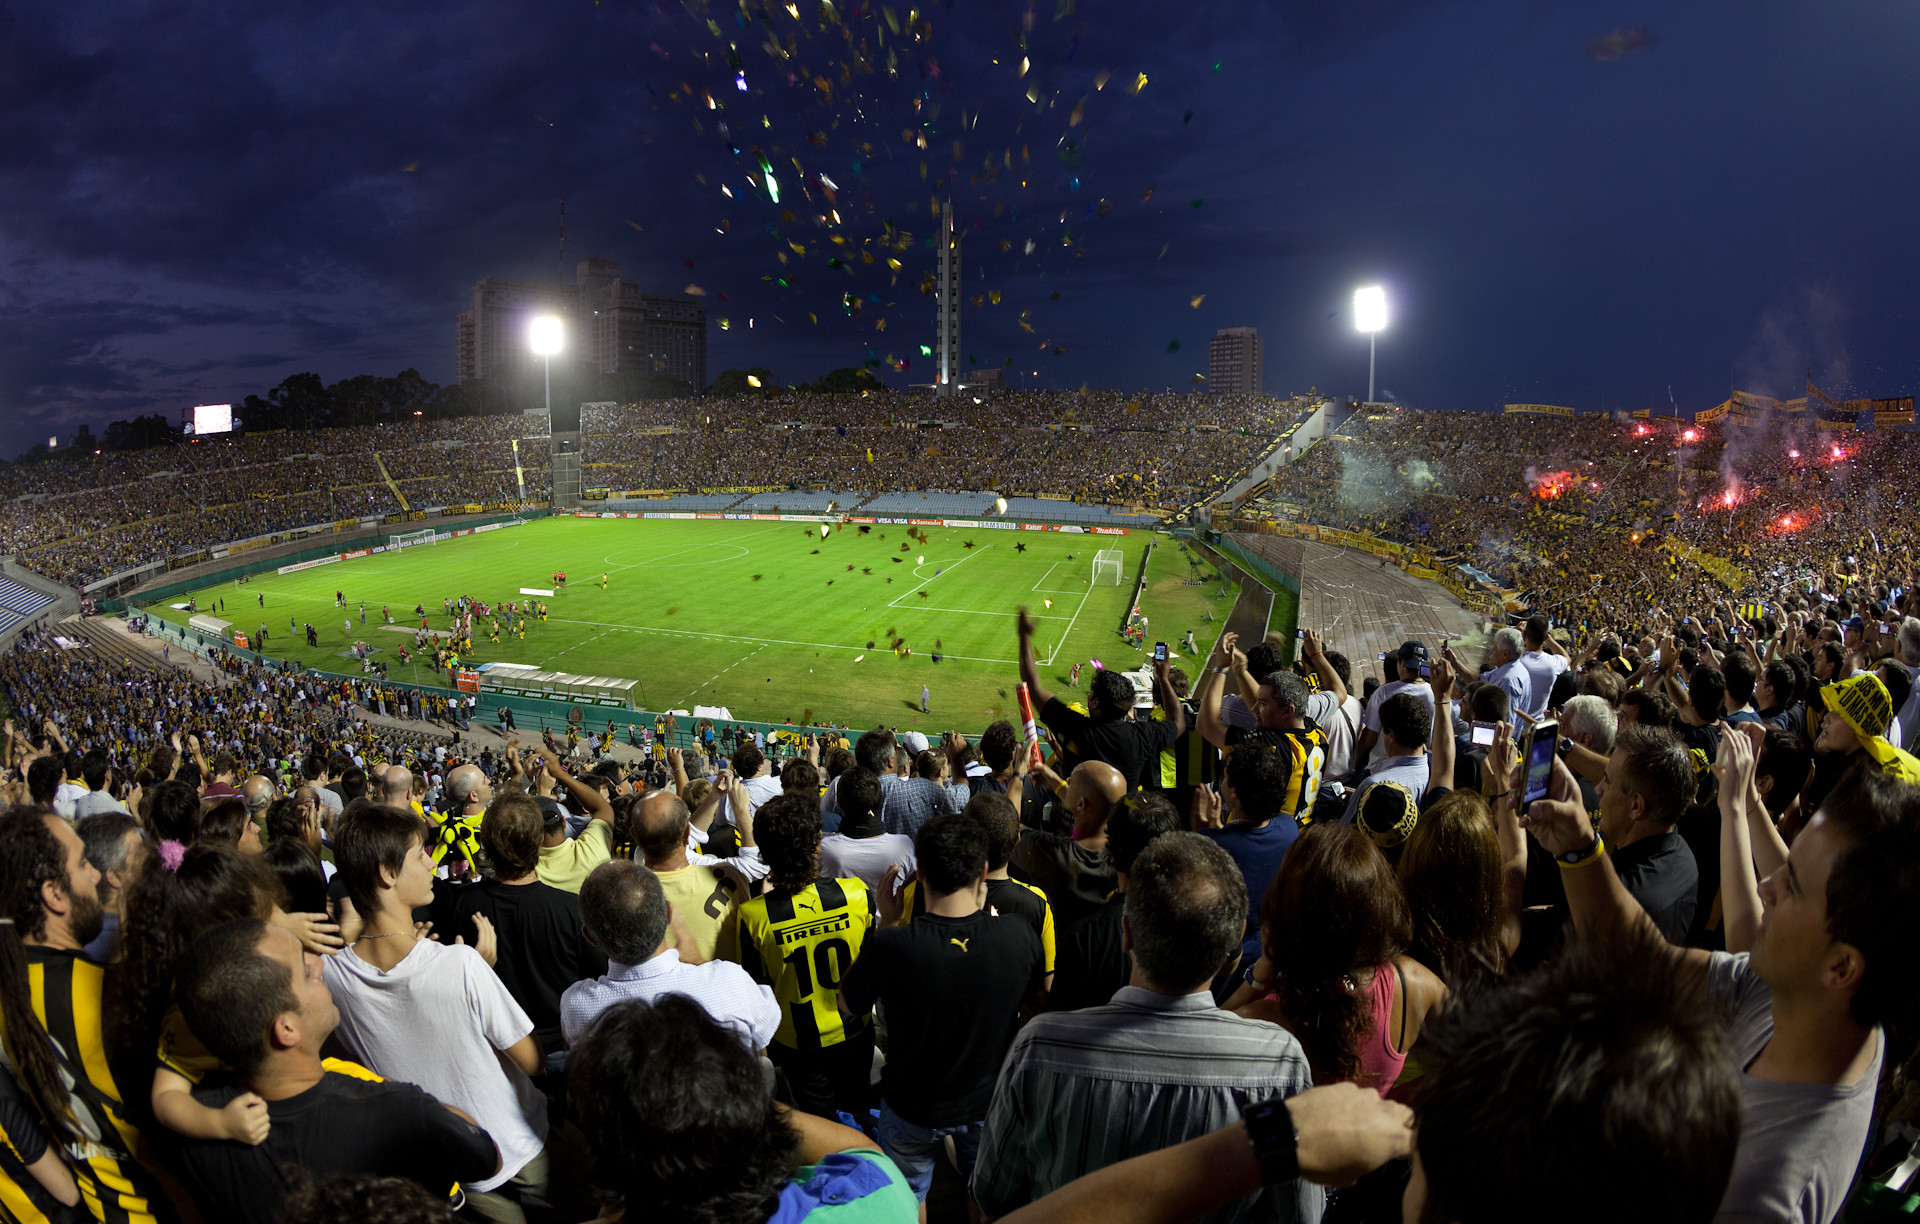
(1542, 670)
(436, 1020)
(759, 791)
(1371, 718)
(866, 858)
(1342, 726)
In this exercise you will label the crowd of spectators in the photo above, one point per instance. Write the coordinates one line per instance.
(1292, 942)
(1575, 513)
(76, 518)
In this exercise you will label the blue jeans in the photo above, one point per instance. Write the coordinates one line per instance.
(914, 1147)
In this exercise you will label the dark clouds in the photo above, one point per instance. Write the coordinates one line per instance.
(197, 200)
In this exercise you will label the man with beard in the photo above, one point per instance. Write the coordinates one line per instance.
(50, 1003)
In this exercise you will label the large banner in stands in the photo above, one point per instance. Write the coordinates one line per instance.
(307, 565)
(1890, 413)
(1708, 415)
(1538, 410)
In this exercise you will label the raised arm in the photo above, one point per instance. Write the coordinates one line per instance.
(1029, 670)
(1212, 684)
(1440, 768)
(1316, 656)
(591, 799)
(1163, 693)
(1497, 787)
(1739, 886)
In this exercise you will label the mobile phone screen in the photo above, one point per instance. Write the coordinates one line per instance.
(1546, 736)
(1483, 735)
(1160, 651)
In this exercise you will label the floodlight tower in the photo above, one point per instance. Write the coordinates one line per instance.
(544, 337)
(1370, 316)
(946, 324)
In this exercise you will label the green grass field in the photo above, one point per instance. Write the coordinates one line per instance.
(767, 619)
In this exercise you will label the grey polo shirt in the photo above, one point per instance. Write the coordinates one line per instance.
(1084, 1089)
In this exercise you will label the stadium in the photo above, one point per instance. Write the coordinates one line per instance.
(586, 788)
(179, 613)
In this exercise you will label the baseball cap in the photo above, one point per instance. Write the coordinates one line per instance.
(914, 742)
(1853, 622)
(1413, 654)
(1863, 701)
(1386, 813)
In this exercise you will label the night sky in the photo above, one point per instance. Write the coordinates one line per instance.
(1594, 204)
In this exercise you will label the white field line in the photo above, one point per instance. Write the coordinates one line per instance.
(732, 637)
(1069, 633)
(895, 603)
(688, 699)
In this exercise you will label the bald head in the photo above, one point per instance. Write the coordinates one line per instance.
(660, 828)
(258, 792)
(1092, 790)
(466, 785)
(396, 785)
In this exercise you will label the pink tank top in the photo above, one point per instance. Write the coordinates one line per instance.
(1380, 1062)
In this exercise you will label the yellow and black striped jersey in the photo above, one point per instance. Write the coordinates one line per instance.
(1305, 750)
(802, 944)
(109, 1156)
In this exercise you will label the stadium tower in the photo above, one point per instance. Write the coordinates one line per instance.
(563, 453)
(946, 324)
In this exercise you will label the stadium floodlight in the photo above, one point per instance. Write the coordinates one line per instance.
(1370, 316)
(543, 335)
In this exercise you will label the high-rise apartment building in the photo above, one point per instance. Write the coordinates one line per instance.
(611, 326)
(1235, 362)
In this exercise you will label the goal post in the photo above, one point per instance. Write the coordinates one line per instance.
(1106, 567)
(407, 539)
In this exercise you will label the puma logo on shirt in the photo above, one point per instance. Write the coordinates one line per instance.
(959, 943)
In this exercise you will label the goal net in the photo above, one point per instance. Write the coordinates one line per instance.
(406, 539)
(1106, 567)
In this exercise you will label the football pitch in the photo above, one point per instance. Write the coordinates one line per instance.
(768, 619)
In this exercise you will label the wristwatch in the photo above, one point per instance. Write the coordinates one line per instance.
(1585, 854)
(1276, 1147)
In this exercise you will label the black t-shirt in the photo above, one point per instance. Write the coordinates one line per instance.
(1661, 874)
(1076, 880)
(343, 1124)
(542, 950)
(1704, 739)
(953, 988)
(1133, 748)
(1091, 964)
(1008, 898)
